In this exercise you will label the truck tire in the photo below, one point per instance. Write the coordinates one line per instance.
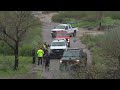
(74, 34)
(69, 45)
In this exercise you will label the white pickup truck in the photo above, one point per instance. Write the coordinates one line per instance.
(65, 27)
(57, 48)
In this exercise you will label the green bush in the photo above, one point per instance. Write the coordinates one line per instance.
(63, 15)
(25, 50)
(110, 21)
(90, 39)
(32, 40)
(5, 49)
(57, 18)
(6, 67)
(105, 61)
(113, 14)
(111, 44)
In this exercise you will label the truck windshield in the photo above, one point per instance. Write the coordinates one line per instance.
(71, 54)
(58, 44)
(60, 27)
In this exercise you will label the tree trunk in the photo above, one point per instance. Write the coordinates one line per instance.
(16, 56)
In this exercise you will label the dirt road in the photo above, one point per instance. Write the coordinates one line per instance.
(54, 72)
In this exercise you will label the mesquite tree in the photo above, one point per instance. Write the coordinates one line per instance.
(13, 28)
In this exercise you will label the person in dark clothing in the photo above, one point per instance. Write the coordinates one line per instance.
(33, 55)
(47, 60)
(45, 48)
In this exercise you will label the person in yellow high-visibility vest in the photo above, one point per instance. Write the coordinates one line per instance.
(45, 47)
(40, 54)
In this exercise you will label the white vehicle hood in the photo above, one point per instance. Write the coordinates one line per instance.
(58, 29)
(58, 47)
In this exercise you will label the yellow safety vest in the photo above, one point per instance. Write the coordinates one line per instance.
(40, 53)
(44, 46)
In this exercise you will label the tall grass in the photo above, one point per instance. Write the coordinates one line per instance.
(105, 51)
(111, 44)
(6, 67)
(88, 18)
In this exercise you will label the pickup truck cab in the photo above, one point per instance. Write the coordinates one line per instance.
(73, 59)
(57, 48)
(63, 35)
(65, 27)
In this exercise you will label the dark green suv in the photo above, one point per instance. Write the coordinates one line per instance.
(73, 59)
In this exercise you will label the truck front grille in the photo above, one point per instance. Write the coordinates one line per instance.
(58, 51)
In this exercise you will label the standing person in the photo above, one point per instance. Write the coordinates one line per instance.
(45, 47)
(40, 54)
(33, 55)
(47, 60)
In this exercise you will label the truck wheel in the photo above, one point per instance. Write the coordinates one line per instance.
(69, 45)
(74, 34)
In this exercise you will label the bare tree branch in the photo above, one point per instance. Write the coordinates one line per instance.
(7, 43)
(24, 30)
(4, 32)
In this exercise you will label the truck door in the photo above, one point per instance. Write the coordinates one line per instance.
(70, 29)
(67, 29)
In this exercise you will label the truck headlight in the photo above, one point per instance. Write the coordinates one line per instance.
(60, 61)
(77, 60)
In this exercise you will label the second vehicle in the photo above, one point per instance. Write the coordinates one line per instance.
(63, 35)
(57, 48)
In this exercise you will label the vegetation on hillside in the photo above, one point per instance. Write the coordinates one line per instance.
(14, 26)
(106, 52)
(88, 18)
(25, 65)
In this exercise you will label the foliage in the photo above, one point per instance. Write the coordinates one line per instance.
(6, 67)
(91, 41)
(111, 44)
(88, 18)
(104, 63)
(31, 36)
(33, 40)
(13, 28)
